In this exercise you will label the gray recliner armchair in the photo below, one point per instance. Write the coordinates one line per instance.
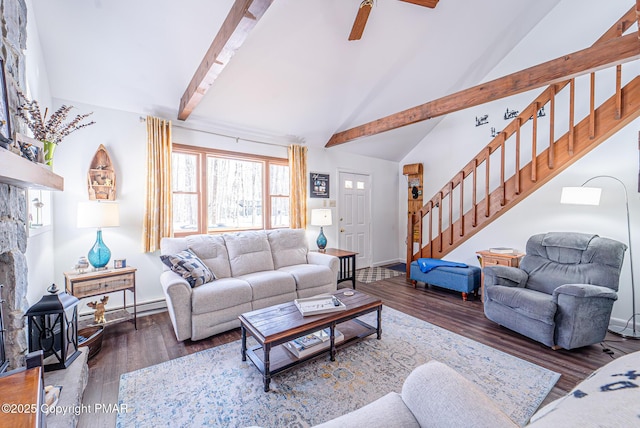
(562, 294)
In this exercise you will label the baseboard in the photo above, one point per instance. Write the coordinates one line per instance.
(143, 309)
(388, 262)
(620, 324)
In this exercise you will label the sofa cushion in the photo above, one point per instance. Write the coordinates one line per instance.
(438, 396)
(220, 294)
(188, 266)
(248, 252)
(387, 411)
(288, 247)
(309, 276)
(171, 246)
(212, 251)
(609, 397)
(269, 283)
(531, 303)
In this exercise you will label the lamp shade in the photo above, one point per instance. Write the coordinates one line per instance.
(98, 214)
(581, 195)
(321, 217)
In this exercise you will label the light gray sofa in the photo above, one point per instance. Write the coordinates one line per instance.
(562, 294)
(436, 396)
(252, 270)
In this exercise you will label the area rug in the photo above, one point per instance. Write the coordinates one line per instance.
(400, 267)
(373, 274)
(215, 388)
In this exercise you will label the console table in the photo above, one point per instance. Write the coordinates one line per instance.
(90, 284)
(347, 270)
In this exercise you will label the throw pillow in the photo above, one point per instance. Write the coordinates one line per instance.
(190, 267)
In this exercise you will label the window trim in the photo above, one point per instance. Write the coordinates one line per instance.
(202, 154)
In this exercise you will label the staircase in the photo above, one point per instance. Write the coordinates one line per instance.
(494, 181)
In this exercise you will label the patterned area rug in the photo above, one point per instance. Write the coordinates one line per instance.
(373, 274)
(215, 388)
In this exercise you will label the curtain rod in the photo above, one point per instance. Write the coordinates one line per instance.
(237, 139)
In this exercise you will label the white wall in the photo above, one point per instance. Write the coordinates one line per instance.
(542, 212)
(384, 209)
(124, 136)
(40, 248)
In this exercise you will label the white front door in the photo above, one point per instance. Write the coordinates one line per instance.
(354, 216)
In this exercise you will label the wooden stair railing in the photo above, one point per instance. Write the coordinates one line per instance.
(453, 229)
(513, 190)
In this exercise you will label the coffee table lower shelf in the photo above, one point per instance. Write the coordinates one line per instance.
(277, 358)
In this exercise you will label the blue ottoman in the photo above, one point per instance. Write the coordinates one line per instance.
(463, 279)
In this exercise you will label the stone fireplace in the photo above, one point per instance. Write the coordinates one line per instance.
(13, 271)
(13, 206)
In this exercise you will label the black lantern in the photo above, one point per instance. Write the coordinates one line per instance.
(53, 328)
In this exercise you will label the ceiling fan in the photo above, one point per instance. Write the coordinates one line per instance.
(365, 9)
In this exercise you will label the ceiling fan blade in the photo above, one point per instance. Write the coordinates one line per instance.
(361, 20)
(425, 3)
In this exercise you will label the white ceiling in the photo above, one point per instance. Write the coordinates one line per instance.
(296, 78)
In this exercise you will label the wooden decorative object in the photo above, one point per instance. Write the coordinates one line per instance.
(98, 315)
(92, 339)
(101, 177)
(414, 178)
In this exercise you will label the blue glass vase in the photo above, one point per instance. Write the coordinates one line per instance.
(99, 254)
(322, 240)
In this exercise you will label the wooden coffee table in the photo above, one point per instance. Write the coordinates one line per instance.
(275, 325)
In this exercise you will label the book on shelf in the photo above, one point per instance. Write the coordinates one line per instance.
(300, 351)
(502, 250)
(312, 339)
(322, 304)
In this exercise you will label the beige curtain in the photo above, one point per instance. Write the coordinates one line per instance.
(298, 187)
(158, 209)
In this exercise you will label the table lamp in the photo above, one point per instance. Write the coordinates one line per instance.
(98, 214)
(321, 217)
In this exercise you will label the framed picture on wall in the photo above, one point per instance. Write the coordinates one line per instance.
(5, 123)
(318, 185)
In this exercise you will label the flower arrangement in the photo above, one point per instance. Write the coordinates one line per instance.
(53, 130)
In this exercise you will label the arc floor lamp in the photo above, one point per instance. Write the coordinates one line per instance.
(591, 196)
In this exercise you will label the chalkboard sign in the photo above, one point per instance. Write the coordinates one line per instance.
(319, 185)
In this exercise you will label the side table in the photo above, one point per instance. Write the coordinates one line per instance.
(90, 284)
(22, 396)
(347, 270)
(488, 258)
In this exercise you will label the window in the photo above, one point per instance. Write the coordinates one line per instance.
(215, 191)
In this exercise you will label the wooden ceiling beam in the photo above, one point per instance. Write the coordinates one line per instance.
(620, 27)
(242, 18)
(602, 55)
(426, 3)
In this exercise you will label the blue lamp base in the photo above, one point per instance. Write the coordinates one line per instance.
(99, 254)
(322, 240)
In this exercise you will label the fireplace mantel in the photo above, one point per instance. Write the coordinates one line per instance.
(20, 172)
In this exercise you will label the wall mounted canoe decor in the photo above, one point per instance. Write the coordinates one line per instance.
(101, 177)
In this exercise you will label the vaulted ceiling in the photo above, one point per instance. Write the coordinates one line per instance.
(296, 77)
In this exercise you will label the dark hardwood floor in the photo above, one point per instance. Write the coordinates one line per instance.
(125, 349)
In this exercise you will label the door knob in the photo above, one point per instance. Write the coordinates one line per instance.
(341, 230)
